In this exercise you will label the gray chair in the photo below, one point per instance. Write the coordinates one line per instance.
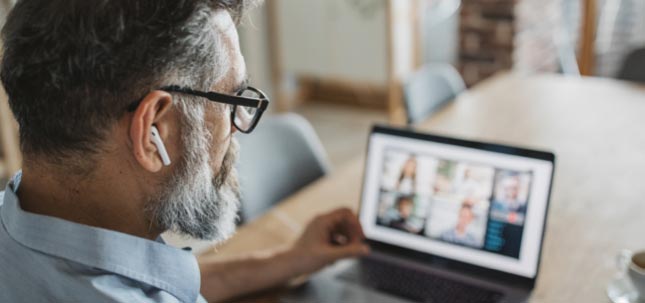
(282, 155)
(428, 89)
(633, 68)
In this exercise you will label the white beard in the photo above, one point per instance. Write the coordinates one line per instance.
(195, 202)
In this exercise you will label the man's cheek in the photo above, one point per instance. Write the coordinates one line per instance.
(216, 158)
(227, 125)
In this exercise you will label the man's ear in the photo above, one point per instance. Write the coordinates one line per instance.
(152, 111)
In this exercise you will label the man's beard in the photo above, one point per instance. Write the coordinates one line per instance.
(195, 202)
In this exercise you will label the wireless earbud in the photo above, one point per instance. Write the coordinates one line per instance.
(156, 140)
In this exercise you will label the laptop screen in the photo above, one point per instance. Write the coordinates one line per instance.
(476, 203)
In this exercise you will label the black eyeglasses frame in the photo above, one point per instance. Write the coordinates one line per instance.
(261, 103)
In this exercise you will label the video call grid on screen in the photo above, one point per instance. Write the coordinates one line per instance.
(439, 194)
(466, 204)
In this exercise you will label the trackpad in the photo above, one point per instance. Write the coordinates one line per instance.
(413, 284)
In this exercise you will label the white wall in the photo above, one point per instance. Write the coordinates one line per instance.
(337, 39)
(254, 41)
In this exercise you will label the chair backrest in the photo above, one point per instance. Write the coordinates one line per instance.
(633, 68)
(282, 155)
(429, 88)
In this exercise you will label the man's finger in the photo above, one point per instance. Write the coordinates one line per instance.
(355, 226)
(349, 251)
(347, 223)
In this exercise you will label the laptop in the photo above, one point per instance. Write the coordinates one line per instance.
(448, 220)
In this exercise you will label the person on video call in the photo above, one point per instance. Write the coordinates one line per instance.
(508, 201)
(406, 184)
(404, 206)
(461, 234)
(119, 146)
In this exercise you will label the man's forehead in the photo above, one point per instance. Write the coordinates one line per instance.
(234, 67)
(224, 23)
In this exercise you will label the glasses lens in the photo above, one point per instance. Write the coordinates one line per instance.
(244, 116)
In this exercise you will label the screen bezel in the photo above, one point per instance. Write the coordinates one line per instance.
(448, 263)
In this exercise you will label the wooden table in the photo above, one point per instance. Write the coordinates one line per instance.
(596, 127)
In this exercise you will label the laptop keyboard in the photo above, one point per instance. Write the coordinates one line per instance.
(416, 285)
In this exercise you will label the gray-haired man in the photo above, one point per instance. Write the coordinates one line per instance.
(127, 110)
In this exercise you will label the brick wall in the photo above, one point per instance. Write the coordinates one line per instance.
(486, 38)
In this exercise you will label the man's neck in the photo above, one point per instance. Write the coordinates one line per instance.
(95, 201)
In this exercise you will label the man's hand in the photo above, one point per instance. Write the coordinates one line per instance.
(329, 237)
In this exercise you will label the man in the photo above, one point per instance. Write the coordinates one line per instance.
(121, 143)
(404, 206)
(510, 197)
(460, 233)
(508, 206)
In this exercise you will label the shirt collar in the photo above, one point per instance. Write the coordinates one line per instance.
(156, 264)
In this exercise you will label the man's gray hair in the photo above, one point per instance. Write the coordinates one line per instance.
(72, 67)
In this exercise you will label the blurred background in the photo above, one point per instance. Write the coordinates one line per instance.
(345, 64)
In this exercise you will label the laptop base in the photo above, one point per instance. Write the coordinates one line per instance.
(339, 283)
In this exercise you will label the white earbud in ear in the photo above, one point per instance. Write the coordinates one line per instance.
(156, 140)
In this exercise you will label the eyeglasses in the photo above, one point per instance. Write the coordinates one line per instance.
(248, 104)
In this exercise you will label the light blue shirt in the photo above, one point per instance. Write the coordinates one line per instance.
(46, 259)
